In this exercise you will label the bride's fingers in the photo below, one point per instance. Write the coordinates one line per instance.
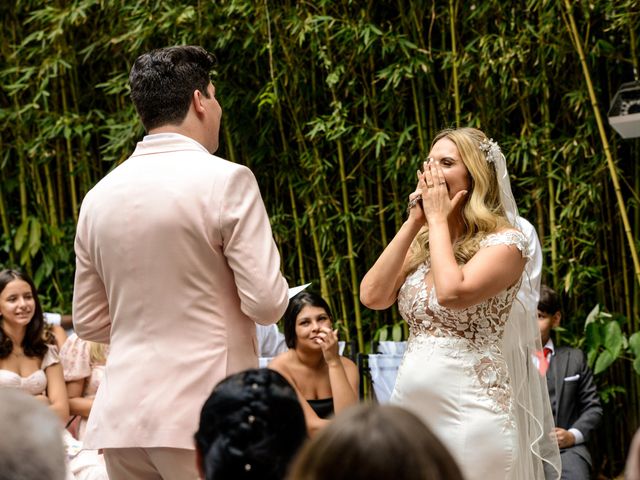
(458, 198)
(428, 175)
(439, 175)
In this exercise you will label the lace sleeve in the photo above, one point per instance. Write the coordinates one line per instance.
(508, 237)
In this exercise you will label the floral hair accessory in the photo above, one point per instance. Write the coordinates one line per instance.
(491, 149)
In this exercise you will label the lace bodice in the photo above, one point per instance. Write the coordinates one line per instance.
(481, 324)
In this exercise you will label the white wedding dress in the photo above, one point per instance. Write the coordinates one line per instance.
(454, 376)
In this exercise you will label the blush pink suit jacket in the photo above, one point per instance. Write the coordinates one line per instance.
(175, 261)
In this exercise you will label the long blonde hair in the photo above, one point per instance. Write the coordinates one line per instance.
(483, 212)
(98, 353)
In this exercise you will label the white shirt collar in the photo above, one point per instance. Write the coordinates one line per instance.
(550, 346)
(171, 136)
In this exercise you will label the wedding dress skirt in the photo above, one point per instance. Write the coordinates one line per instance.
(453, 374)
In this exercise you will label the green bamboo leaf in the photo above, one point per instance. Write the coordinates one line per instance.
(636, 365)
(396, 334)
(634, 343)
(592, 316)
(591, 357)
(21, 235)
(35, 236)
(604, 361)
(383, 334)
(613, 338)
(593, 336)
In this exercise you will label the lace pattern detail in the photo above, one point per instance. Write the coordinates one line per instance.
(510, 237)
(481, 326)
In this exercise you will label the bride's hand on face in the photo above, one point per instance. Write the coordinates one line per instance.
(435, 196)
(416, 214)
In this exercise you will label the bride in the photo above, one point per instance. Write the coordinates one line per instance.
(455, 267)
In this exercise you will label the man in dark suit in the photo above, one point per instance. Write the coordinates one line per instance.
(574, 399)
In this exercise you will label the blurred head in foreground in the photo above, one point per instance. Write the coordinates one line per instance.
(375, 442)
(31, 440)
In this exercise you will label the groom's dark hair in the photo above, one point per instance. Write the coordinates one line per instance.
(163, 81)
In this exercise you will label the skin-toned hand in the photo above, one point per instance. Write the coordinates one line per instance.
(435, 196)
(416, 213)
(328, 340)
(565, 438)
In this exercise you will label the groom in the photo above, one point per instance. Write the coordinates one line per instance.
(175, 261)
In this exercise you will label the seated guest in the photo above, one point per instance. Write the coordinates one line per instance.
(30, 443)
(270, 341)
(27, 361)
(83, 365)
(375, 442)
(325, 381)
(251, 426)
(574, 399)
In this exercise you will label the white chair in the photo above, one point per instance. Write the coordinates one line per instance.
(383, 368)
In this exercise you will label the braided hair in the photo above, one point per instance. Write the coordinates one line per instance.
(251, 426)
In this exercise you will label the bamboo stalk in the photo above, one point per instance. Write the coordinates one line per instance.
(553, 231)
(350, 251)
(23, 189)
(635, 320)
(285, 146)
(343, 301)
(322, 274)
(625, 280)
(60, 198)
(454, 59)
(51, 202)
(70, 158)
(231, 152)
(577, 42)
(5, 221)
(416, 108)
(347, 219)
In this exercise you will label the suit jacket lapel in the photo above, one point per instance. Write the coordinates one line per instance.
(560, 364)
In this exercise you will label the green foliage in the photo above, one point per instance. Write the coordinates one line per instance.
(605, 342)
(333, 105)
(391, 333)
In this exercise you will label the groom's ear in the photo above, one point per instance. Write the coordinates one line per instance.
(555, 320)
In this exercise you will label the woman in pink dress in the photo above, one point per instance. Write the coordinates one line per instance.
(83, 364)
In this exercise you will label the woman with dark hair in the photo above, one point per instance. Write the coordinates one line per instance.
(27, 361)
(325, 381)
(251, 426)
(375, 442)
